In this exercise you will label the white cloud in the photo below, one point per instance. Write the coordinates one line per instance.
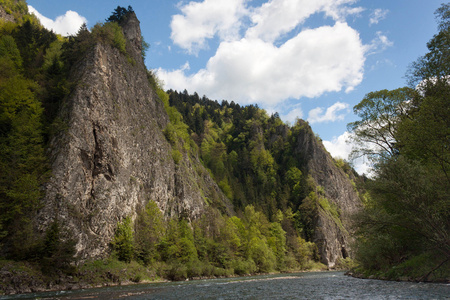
(252, 64)
(341, 147)
(203, 20)
(67, 24)
(292, 116)
(378, 44)
(252, 70)
(378, 15)
(317, 114)
(277, 17)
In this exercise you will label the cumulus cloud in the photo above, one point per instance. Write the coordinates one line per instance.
(317, 114)
(203, 20)
(292, 116)
(378, 15)
(341, 147)
(277, 17)
(265, 55)
(67, 24)
(252, 70)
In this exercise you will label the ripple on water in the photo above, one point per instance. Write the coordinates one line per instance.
(321, 285)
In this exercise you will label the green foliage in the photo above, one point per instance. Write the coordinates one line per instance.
(113, 271)
(110, 33)
(345, 264)
(177, 156)
(120, 14)
(424, 135)
(250, 155)
(23, 162)
(379, 112)
(403, 230)
(123, 241)
(145, 47)
(226, 189)
(148, 228)
(19, 10)
(58, 250)
(213, 245)
(261, 254)
(304, 252)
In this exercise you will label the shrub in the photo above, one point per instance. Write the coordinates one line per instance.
(243, 267)
(123, 240)
(177, 271)
(110, 33)
(177, 156)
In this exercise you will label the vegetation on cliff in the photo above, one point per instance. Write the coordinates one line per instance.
(248, 153)
(214, 245)
(404, 229)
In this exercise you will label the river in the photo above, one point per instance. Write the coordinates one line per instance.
(315, 285)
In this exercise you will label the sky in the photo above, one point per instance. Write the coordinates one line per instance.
(307, 59)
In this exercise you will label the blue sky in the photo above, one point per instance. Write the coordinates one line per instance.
(305, 59)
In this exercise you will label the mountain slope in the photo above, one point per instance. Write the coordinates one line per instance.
(112, 157)
(117, 143)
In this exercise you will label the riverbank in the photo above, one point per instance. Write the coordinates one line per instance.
(305, 285)
(365, 274)
(26, 277)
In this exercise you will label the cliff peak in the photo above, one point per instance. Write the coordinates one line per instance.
(132, 32)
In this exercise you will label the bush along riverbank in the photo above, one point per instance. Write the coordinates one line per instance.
(26, 277)
(418, 269)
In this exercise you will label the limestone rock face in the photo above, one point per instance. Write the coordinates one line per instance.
(331, 234)
(111, 157)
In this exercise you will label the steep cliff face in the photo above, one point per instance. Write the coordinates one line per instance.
(111, 158)
(331, 232)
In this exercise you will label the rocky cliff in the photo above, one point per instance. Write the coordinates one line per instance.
(111, 157)
(332, 223)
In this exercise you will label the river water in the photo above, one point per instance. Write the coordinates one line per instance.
(315, 285)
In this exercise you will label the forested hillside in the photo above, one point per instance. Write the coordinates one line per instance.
(105, 177)
(95, 178)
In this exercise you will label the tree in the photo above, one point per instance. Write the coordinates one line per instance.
(149, 226)
(407, 218)
(434, 65)
(380, 112)
(58, 249)
(119, 14)
(123, 241)
(23, 163)
(425, 134)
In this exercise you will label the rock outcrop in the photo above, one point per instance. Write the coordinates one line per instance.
(111, 156)
(331, 232)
